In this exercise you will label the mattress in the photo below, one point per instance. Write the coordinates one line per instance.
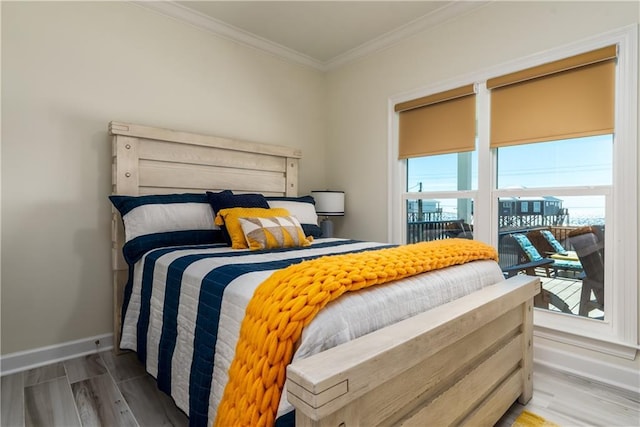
(184, 306)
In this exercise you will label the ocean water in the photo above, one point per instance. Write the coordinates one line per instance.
(585, 220)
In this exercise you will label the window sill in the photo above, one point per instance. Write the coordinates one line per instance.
(610, 347)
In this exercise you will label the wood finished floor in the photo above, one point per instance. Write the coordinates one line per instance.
(104, 390)
(96, 390)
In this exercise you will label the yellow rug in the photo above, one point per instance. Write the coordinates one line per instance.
(529, 419)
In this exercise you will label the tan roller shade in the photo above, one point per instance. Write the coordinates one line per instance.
(570, 98)
(438, 124)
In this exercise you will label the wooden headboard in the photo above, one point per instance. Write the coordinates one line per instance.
(149, 160)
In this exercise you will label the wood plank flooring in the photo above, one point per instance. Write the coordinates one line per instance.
(104, 390)
(568, 400)
(100, 389)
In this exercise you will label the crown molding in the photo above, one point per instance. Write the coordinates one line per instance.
(227, 31)
(230, 32)
(386, 40)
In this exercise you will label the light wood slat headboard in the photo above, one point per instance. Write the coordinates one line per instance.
(149, 160)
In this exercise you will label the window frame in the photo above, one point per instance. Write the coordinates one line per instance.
(618, 333)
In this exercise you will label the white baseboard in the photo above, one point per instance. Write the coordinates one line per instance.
(579, 365)
(591, 368)
(23, 360)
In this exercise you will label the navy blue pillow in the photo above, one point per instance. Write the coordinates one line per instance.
(302, 199)
(226, 199)
(135, 248)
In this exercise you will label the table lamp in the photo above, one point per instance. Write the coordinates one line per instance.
(328, 203)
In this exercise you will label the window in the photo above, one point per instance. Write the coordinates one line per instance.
(432, 212)
(566, 163)
(558, 181)
(552, 127)
(581, 169)
(437, 137)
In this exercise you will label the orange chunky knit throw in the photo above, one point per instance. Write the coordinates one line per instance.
(288, 300)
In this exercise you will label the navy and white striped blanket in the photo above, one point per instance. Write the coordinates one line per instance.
(185, 305)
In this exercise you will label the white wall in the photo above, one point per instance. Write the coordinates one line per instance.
(358, 92)
(68, 68)
(497, 33)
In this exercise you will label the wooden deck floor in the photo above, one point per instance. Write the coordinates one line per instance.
(568, 289)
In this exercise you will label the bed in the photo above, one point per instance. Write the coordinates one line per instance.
(465, 359)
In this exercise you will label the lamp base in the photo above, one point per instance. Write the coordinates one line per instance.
(327, 227)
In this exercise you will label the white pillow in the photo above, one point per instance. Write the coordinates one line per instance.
(143, 215)
(305, 212)
(149, 219)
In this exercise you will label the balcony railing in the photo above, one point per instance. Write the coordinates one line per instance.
(425, 231)
(562, 286)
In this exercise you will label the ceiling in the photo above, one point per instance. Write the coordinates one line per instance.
(322, 34)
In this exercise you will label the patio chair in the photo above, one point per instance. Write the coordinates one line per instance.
(546, 243)
(557, 247)
(540, 242)
(590, 250)
(513, 260)
(556, 264)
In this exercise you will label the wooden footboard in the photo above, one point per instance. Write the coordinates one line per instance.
(464, 362)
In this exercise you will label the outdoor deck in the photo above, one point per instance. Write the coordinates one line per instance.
(567, 289)
(565, 283)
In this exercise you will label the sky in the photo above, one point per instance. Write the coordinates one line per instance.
(572, 162)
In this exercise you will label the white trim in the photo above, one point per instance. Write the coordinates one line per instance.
(449, 11)
(593, 369)
(484, 229)
(627, 183)
(595, 190)
(23, 360)
(227, 31)
(462, 194)
(621, 315)
(613, 348)
(397, 171)
(230, 32)
(626, 35)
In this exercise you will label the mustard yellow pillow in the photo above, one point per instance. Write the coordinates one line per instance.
(273, 232)
(230, 219)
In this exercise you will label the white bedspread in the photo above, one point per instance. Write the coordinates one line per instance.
(351, 316)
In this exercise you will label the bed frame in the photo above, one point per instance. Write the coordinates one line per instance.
(148, 160)
(464, 362)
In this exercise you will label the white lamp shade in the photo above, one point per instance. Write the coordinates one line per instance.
(329, 203)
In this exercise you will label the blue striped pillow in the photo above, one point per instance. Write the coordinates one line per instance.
(153, 221)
